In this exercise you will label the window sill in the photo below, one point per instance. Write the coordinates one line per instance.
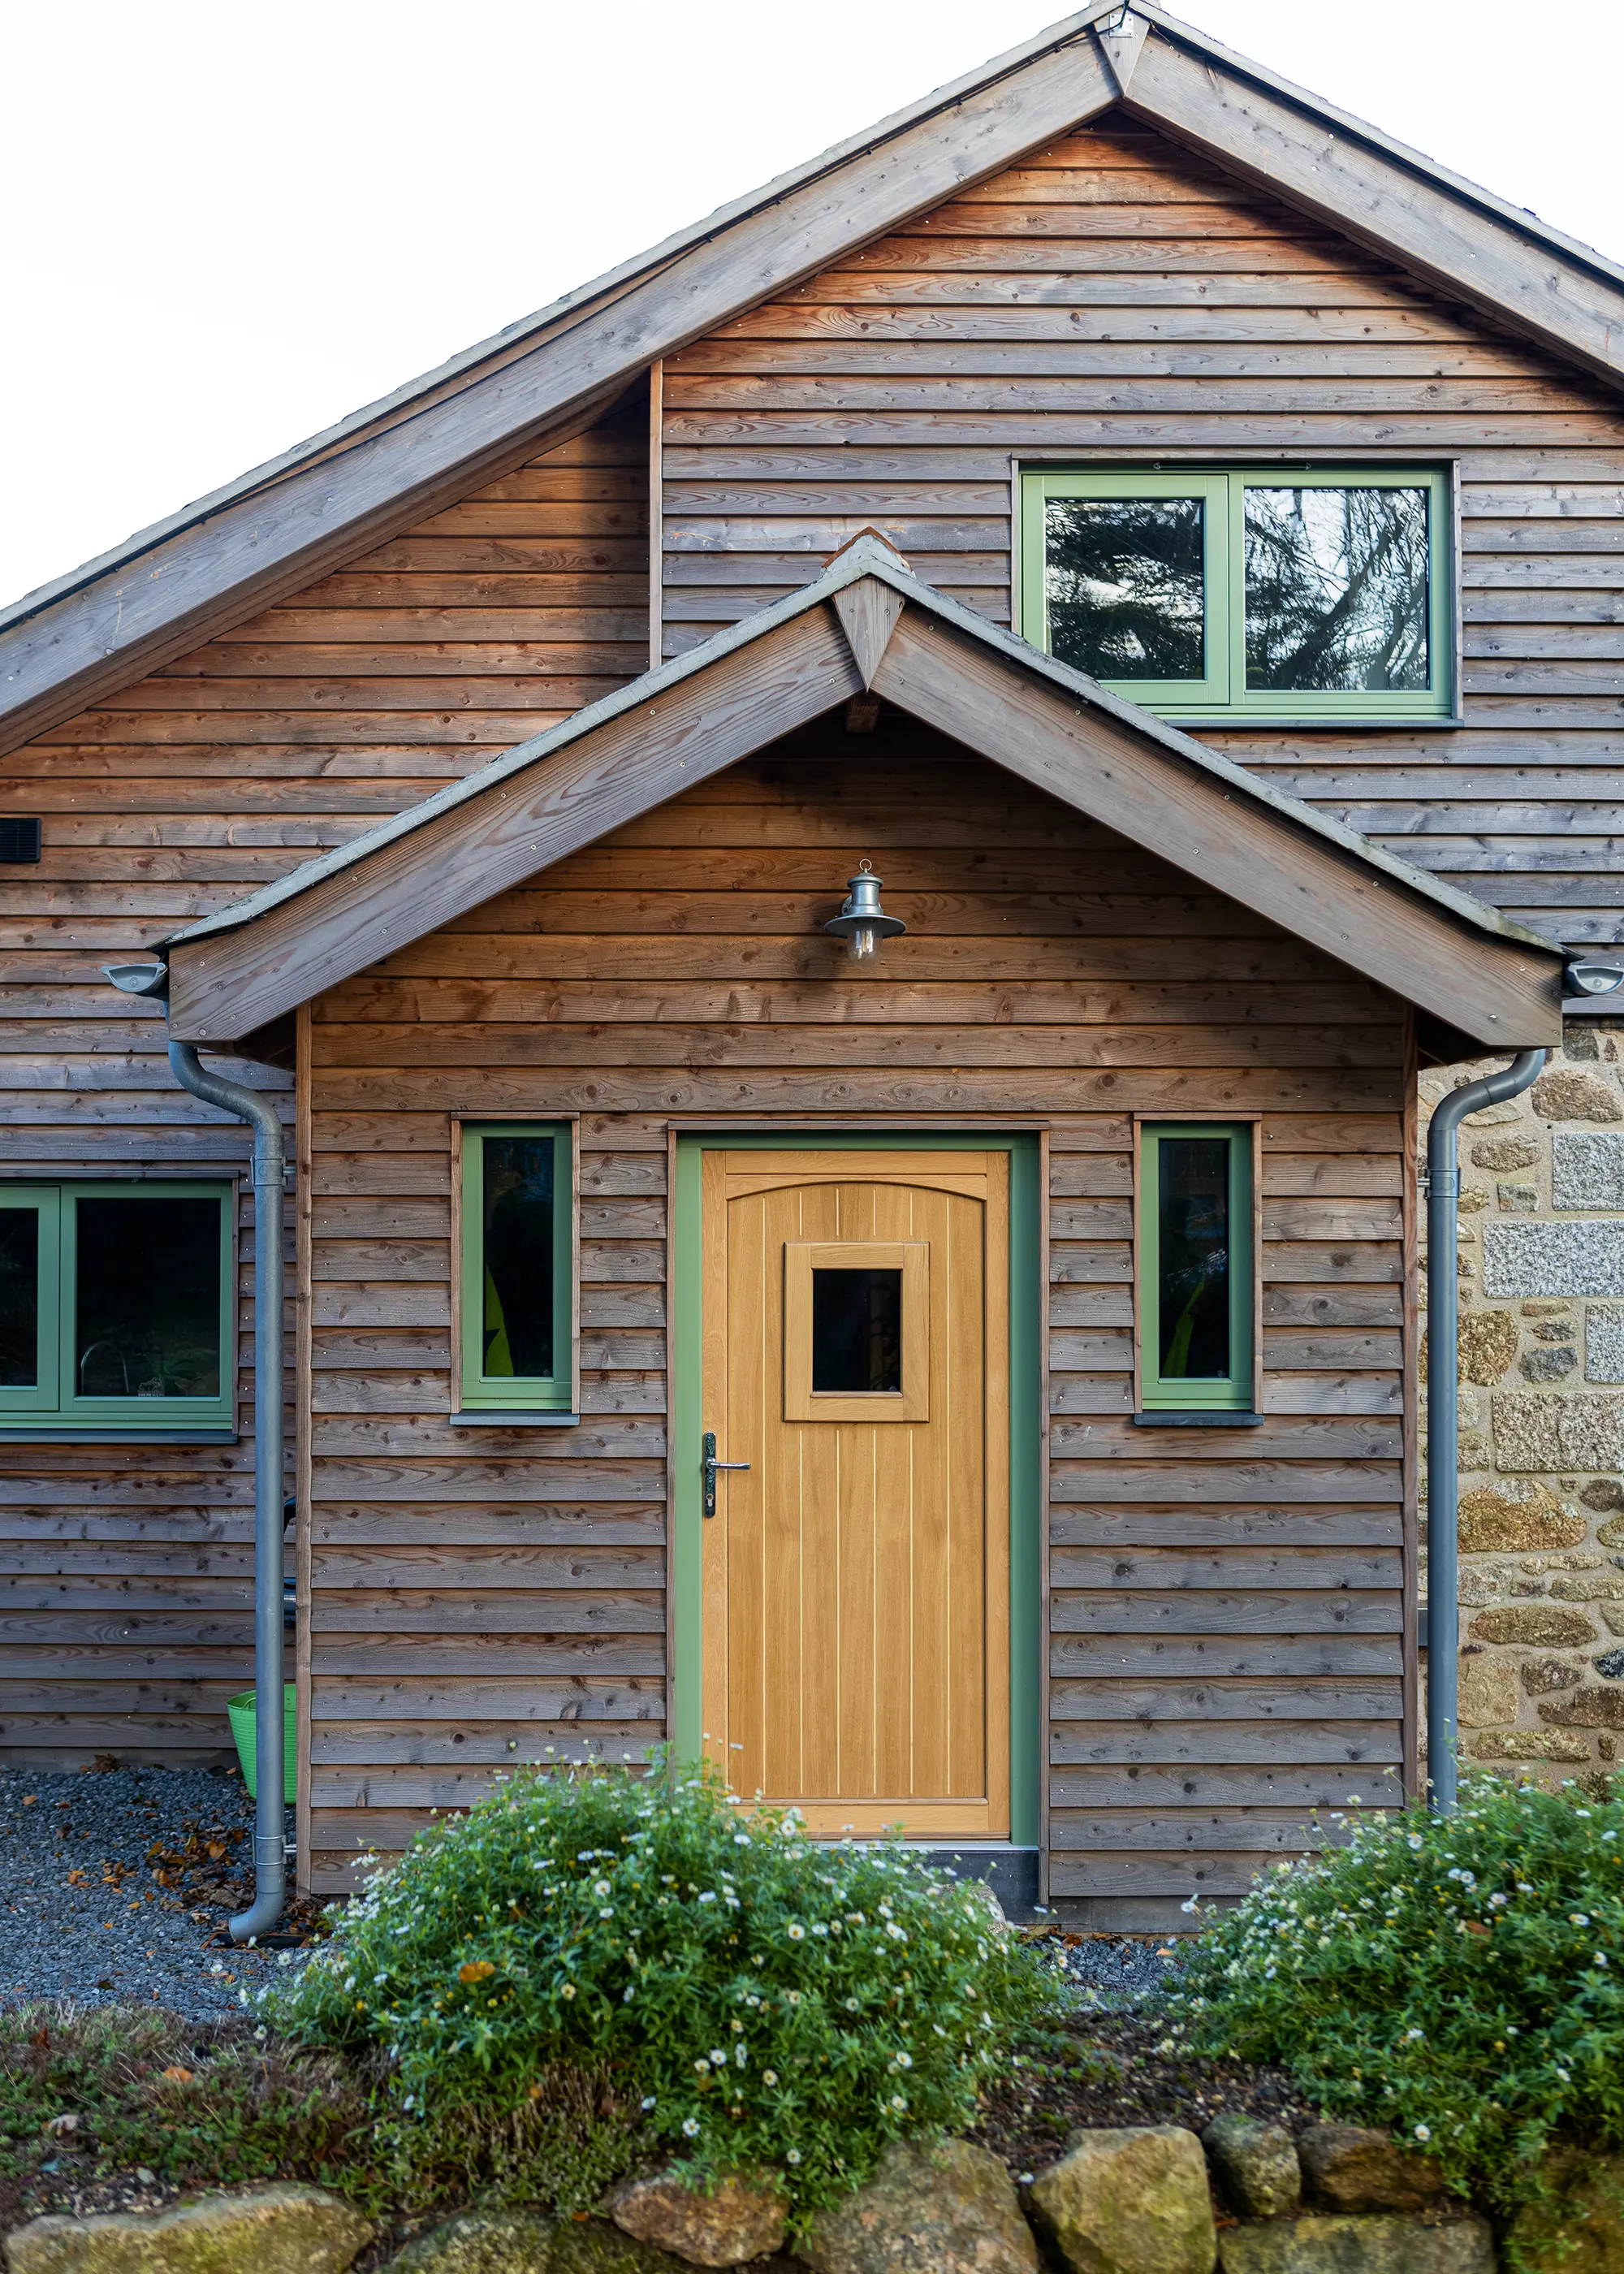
(1250, 721)
(494, 1417)
(1218, 1419)
(68, 1433)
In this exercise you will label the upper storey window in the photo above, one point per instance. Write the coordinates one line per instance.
(1257, 593)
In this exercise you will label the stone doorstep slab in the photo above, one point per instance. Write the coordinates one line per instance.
(1383, 2243)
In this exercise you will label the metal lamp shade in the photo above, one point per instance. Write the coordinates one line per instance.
(862, 923)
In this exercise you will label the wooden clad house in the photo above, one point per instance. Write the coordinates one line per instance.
(1170, 534)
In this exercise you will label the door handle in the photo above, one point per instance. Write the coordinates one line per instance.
(708, 1464)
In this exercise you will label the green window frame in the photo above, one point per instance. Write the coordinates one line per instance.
(1175, 1392)
(545, 1397)
(52, 1403)
(1221, 694)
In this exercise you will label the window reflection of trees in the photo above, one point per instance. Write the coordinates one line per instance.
(1336, 588)
(1126, 585)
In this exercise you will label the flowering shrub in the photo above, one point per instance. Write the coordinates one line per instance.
(762, 2000)
(1455, 1979)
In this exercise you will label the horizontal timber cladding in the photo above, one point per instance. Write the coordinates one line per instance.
(1225, 1638)
(127, 1617)
(1115, 294)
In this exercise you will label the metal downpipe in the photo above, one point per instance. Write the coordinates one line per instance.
(1443, 1415)
(270, 1860)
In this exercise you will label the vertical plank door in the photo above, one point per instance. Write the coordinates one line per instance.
(856, 1574)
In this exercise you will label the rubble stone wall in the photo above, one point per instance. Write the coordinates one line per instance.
(1541, 1266)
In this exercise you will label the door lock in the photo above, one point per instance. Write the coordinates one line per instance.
(708, 1464)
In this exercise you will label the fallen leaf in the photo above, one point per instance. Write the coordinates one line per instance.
(41, 2039)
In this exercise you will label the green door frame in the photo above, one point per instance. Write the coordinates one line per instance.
(686, 1343)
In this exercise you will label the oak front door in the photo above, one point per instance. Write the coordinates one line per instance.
(856, 1571)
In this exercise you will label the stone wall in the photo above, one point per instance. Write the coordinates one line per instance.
(1542, 1411)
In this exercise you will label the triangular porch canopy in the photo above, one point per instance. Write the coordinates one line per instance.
(865, 626)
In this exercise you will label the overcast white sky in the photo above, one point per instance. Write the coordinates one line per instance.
(229, 222)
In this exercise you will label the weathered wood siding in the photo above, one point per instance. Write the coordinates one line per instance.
(1227, 1605)
(1116, 297)
(128, 1569)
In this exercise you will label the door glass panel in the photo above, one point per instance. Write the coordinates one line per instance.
(517, 1257)
(1336, 588)
(19, 1298)
(146, 1287)
(1126, 588)
(1193, 1255)
(857, 1330)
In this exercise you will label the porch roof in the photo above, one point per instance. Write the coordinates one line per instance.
(866, 625)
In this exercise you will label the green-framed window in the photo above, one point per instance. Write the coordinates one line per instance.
(516, 1266)
(1197, 1283)
(117, 1307)
(1248, 592)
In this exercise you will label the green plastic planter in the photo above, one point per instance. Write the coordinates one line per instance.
(243, 1723)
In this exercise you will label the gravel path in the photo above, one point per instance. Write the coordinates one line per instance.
(83, 1911)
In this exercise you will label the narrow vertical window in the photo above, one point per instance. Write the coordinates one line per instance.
(515, 1283)
(1196, 1268)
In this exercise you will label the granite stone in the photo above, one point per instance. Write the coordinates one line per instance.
(1548, 1626)
(1550, 1430)
(1584, 1256)
(1603, 1342)
(1530, 1745)
(1504, 1153)
(1587, 1169)
(1541, 1677)
(1550, 1363)
(1487, 1691)
(1564, 1093)
(1515, 1514)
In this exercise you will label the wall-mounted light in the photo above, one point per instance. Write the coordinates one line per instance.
(862, 923)
(1593, 978)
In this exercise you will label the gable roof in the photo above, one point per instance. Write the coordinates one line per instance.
(295, 519)
(866, 624)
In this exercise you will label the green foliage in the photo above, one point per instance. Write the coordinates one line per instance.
(197, 2104)
(757, 1998)
(1455, 1980)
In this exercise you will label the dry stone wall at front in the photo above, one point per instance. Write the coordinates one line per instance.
(1541, 1266)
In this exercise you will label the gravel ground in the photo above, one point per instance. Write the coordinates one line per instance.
(1115, 1976)
(114, 1881)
